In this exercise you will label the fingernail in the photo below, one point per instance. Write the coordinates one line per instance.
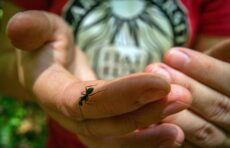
(161, 71)
(173, 108)
(177, 58)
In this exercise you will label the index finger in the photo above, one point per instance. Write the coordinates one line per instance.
(208, 70)
(124, 95)
(57, 89)
(110, 98)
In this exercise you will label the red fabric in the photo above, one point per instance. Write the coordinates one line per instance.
(212, 16)
(57, 6)
(54, 6)
(59, 137)
(215, 18)
(35, 5)
(191, 8)
(208, 17)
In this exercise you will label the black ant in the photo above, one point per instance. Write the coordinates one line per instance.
(85, 94)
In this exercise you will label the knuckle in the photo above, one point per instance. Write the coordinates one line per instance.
(220, 113)
(208, 136)
(203, 133)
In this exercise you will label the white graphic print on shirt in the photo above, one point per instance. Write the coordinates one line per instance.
(123, 36)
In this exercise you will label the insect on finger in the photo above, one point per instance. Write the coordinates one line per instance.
(85, 94)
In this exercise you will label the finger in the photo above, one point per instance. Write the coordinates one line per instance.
(123, 95)
(156, 135)
(30, 30)
(159, 136)
(199, 131)
(203, 68)
(81, 67)
(212, 105)
(177, 100)
(162, 136)
(221, 51)
(116, 97)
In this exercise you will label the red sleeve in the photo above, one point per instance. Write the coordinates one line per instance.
(33, 5)
(215, 18)
(55, 6)
(58, 137)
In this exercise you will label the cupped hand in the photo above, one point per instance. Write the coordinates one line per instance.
(57, 76)
(207, 122)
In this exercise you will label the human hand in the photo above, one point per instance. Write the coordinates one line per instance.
(207, 122)
(121, 106)
(220, 51)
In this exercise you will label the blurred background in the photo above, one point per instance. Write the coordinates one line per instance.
(22, 124)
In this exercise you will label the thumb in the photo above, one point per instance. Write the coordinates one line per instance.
(30, 30)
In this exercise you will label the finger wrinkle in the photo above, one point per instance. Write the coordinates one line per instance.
(220, 112)
(207, 135)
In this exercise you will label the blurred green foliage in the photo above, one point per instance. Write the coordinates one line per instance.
(22, 124)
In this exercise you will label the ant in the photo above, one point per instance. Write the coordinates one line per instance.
(85, 94)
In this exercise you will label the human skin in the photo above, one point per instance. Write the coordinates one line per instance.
(207, 122)
(151, 135)
(47, 69)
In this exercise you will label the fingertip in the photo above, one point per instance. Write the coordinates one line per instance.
(28, 30)
(168, 135)
(177, 100)
(159, 69)
(180, 94)
(177, 58)
(174, 133)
